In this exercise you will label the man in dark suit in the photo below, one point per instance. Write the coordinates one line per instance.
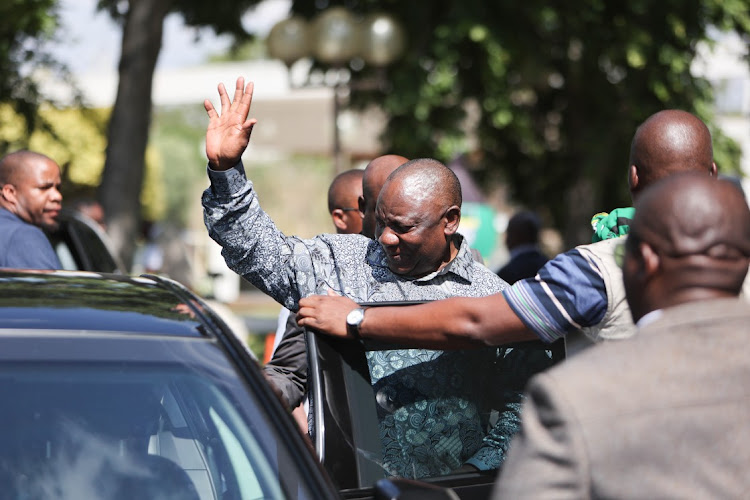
(522, 240)
(665, 413)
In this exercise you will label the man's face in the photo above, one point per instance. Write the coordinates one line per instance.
(411, 231)
(37, 191)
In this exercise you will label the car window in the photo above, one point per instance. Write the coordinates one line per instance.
(97, 431)
(416, 413)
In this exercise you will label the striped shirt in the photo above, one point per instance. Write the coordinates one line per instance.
(567, 294)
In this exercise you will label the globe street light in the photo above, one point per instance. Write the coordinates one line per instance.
(336, 37)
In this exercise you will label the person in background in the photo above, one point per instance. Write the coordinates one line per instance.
(343, 201)
(91, 209)
(30, 202)
(663, 414)
(522, 240)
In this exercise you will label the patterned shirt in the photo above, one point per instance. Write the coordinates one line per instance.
(568, 294)
(428, 423)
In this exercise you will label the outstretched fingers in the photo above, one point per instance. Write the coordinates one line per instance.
(224, 98)
(209, 107)
(243, 99)
(239, 88)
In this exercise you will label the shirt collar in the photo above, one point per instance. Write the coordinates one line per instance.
(461, 265)
(649, 318)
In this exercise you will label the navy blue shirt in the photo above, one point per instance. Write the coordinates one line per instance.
(23, 245)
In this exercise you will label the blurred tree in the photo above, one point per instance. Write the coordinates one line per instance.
(142, 24)
(553, 91)
(26, 29)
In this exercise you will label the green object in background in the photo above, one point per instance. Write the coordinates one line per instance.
(477, 225)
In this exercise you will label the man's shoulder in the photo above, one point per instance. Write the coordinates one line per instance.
(686, 333)
(703, 314)
(14, 227)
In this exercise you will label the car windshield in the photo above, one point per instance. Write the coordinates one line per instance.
(117, 430)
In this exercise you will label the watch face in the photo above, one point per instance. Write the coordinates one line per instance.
(355, 317)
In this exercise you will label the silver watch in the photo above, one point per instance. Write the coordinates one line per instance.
(353, 320)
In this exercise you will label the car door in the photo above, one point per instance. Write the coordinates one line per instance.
(82, 246)
(347, 415)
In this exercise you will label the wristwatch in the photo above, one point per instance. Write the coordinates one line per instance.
(353, 320)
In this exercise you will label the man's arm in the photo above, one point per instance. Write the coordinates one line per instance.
(287, 368)
(568, 293)
(455, 323)
(285, 268)
(547, 458)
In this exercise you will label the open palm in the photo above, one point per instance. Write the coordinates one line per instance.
(228, 133)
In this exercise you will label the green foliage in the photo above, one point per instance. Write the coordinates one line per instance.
(559, 88)
(26, 27)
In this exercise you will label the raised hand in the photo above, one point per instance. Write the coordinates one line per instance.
(228, 133)
(325, 314)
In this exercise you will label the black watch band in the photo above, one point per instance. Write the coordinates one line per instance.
(353, 320)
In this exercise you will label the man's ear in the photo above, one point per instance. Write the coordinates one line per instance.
(633, 178)
(361, 205)
(8, 193)
(714, 170)
(338, 219)
(452, 218)
(650, 259)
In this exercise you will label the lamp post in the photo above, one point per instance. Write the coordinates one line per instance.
(337, 38)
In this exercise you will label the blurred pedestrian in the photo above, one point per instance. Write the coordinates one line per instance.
(30, 202)
(663, 414)
(522, 240)
(92, 209)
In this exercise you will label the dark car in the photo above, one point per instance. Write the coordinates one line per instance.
(119, 387)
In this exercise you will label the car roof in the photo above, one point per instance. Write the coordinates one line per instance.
(85, 301)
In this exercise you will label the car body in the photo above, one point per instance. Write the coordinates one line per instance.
(132, 387)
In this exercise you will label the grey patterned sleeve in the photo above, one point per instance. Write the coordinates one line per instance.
(286, 268)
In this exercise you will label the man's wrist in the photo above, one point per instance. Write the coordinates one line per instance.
(354, 321)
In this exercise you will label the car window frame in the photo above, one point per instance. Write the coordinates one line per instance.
(343, 423)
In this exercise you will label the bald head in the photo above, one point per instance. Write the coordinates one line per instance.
(428, 178)
(689, 240)
(14, 166)
(376, 172)
(669, 142)
(343, 199)
(345, 190)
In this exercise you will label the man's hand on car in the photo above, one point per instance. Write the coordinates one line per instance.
(326, 314)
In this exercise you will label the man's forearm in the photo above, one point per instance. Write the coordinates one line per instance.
(455, 323)
(252, 245)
